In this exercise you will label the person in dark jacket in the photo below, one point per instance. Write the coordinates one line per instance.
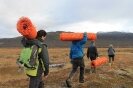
(111, 54)
(92, 54)
(76, 56)
(43, 58)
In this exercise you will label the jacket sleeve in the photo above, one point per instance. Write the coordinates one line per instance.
(114, 50)
(33, 55)
(45, 59)
(84, 40)
(108, 50)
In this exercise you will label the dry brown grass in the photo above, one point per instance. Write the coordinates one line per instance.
(104, 78)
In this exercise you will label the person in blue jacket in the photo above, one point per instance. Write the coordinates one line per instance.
(76, 56)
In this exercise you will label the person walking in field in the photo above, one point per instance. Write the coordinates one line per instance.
(76, 56)
(111, 54)
(92, 54)
(39, 59)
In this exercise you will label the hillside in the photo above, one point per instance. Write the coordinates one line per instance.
(118, 39)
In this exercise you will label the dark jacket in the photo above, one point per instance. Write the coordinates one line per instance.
(76, 50)
(92, 52)
(111, 51)
(45, 58)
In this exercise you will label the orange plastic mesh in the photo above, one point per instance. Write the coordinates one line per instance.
(66, 36)
(26, 28)
(99, 61)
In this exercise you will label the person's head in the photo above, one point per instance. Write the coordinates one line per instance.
(92, 43)
(41, 34)
(110, 45)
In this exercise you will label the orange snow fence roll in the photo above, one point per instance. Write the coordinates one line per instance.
(26, 28)
(99, 61)
(66, 36)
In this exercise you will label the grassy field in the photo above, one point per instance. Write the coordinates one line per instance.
(120, 76)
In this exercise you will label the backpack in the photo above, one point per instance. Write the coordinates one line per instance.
(111, 51)
(28, 57)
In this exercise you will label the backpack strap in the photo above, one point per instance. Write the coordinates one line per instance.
(34, 55)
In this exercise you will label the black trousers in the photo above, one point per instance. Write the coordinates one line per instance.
(75, 64)
(93, 58)
(111, 58)
(36, 81)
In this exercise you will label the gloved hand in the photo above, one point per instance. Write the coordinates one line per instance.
(45, 73)
(85, 33)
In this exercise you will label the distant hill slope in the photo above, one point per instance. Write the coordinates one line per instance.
(118, 39)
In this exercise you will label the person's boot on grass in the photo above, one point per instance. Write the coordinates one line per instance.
(68, 83)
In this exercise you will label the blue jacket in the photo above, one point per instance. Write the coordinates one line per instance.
(76, 50)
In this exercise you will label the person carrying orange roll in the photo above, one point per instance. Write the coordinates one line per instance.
(92, 54)
(38, 61)
(76, 56)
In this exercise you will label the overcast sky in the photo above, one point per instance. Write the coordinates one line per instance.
(67, 15)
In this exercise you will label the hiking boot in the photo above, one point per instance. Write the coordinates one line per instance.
(68, 82)
(90, 71)
(81, 81)
(41, 85)
(93, 70)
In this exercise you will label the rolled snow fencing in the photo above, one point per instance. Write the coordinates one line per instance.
(98, 62)
(68, 36)
(26, 28)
